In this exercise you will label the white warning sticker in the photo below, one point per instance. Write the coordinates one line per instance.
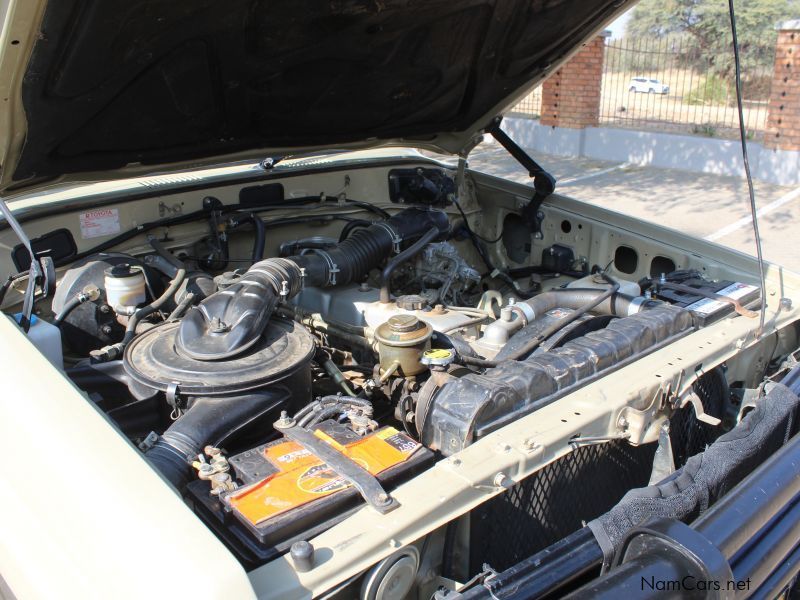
(734, 291)
(100, 222)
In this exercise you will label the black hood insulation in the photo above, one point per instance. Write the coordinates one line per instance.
(156, 81)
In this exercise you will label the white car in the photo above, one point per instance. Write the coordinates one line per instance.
(648, 86)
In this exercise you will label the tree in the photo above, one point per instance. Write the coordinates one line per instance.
(703, 29)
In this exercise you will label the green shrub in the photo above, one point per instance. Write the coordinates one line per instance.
(706, 129)
(711, 91)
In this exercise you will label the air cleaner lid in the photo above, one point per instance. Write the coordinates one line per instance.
(153, 360)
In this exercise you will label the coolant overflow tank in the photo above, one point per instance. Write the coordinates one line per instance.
(401, 341)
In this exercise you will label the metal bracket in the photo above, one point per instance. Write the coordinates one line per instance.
(367, 484)
(594, 440)
(663, 461)
(699, 411)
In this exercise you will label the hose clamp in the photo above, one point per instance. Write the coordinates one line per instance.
(333, 268)
(525, 311)
(175, 400)
(396, 239)
(636, 305)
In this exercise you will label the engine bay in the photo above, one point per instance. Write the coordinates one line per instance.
(281, 392)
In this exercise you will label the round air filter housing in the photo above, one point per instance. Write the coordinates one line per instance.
(283, 354)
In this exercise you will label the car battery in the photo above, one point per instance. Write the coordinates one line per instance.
(286, 493)
(706, 309)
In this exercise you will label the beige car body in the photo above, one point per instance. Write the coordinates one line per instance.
(86, 516)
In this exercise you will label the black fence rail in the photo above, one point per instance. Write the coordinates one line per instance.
(530, 106)
(657, 84)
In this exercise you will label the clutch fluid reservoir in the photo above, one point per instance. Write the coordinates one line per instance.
(401, 341)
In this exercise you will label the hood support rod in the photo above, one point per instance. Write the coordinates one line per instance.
(544, 183)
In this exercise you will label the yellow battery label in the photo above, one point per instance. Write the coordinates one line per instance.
(302, 477)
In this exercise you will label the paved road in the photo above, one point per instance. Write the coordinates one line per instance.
(710, 206)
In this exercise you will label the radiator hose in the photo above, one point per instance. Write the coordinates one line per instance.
(231, 321)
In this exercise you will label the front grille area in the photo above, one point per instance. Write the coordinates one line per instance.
(558, 499)
(555, 501)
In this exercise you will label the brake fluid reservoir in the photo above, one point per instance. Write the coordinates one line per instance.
(125, 286)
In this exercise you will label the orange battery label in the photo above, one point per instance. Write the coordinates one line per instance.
(303, 477)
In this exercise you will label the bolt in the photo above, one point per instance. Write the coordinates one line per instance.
(105, 309)
(302, 554)
(786, 303)
(501, 480)
(106, 329)
(622, 422)
(529, 444)
(383, 498)
(456, 462)
(218, 326)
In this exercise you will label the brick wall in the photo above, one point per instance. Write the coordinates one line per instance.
(783, 120)
(571, 95)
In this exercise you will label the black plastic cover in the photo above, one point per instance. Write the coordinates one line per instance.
(261, 195)
(425, 186)
(58, 245)
(558, 258)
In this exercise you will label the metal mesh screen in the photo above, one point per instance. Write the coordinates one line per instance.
(688, 435)
(555, 501)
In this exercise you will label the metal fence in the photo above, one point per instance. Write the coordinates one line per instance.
(530, 106)
(652, 85)
(655, 84)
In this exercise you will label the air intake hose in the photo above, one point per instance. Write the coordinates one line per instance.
(210, 421)
(229, 322)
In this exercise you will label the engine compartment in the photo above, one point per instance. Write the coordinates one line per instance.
(395, 341)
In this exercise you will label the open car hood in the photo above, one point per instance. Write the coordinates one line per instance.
(96, 90)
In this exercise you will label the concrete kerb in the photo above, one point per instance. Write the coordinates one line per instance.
(662, 150)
